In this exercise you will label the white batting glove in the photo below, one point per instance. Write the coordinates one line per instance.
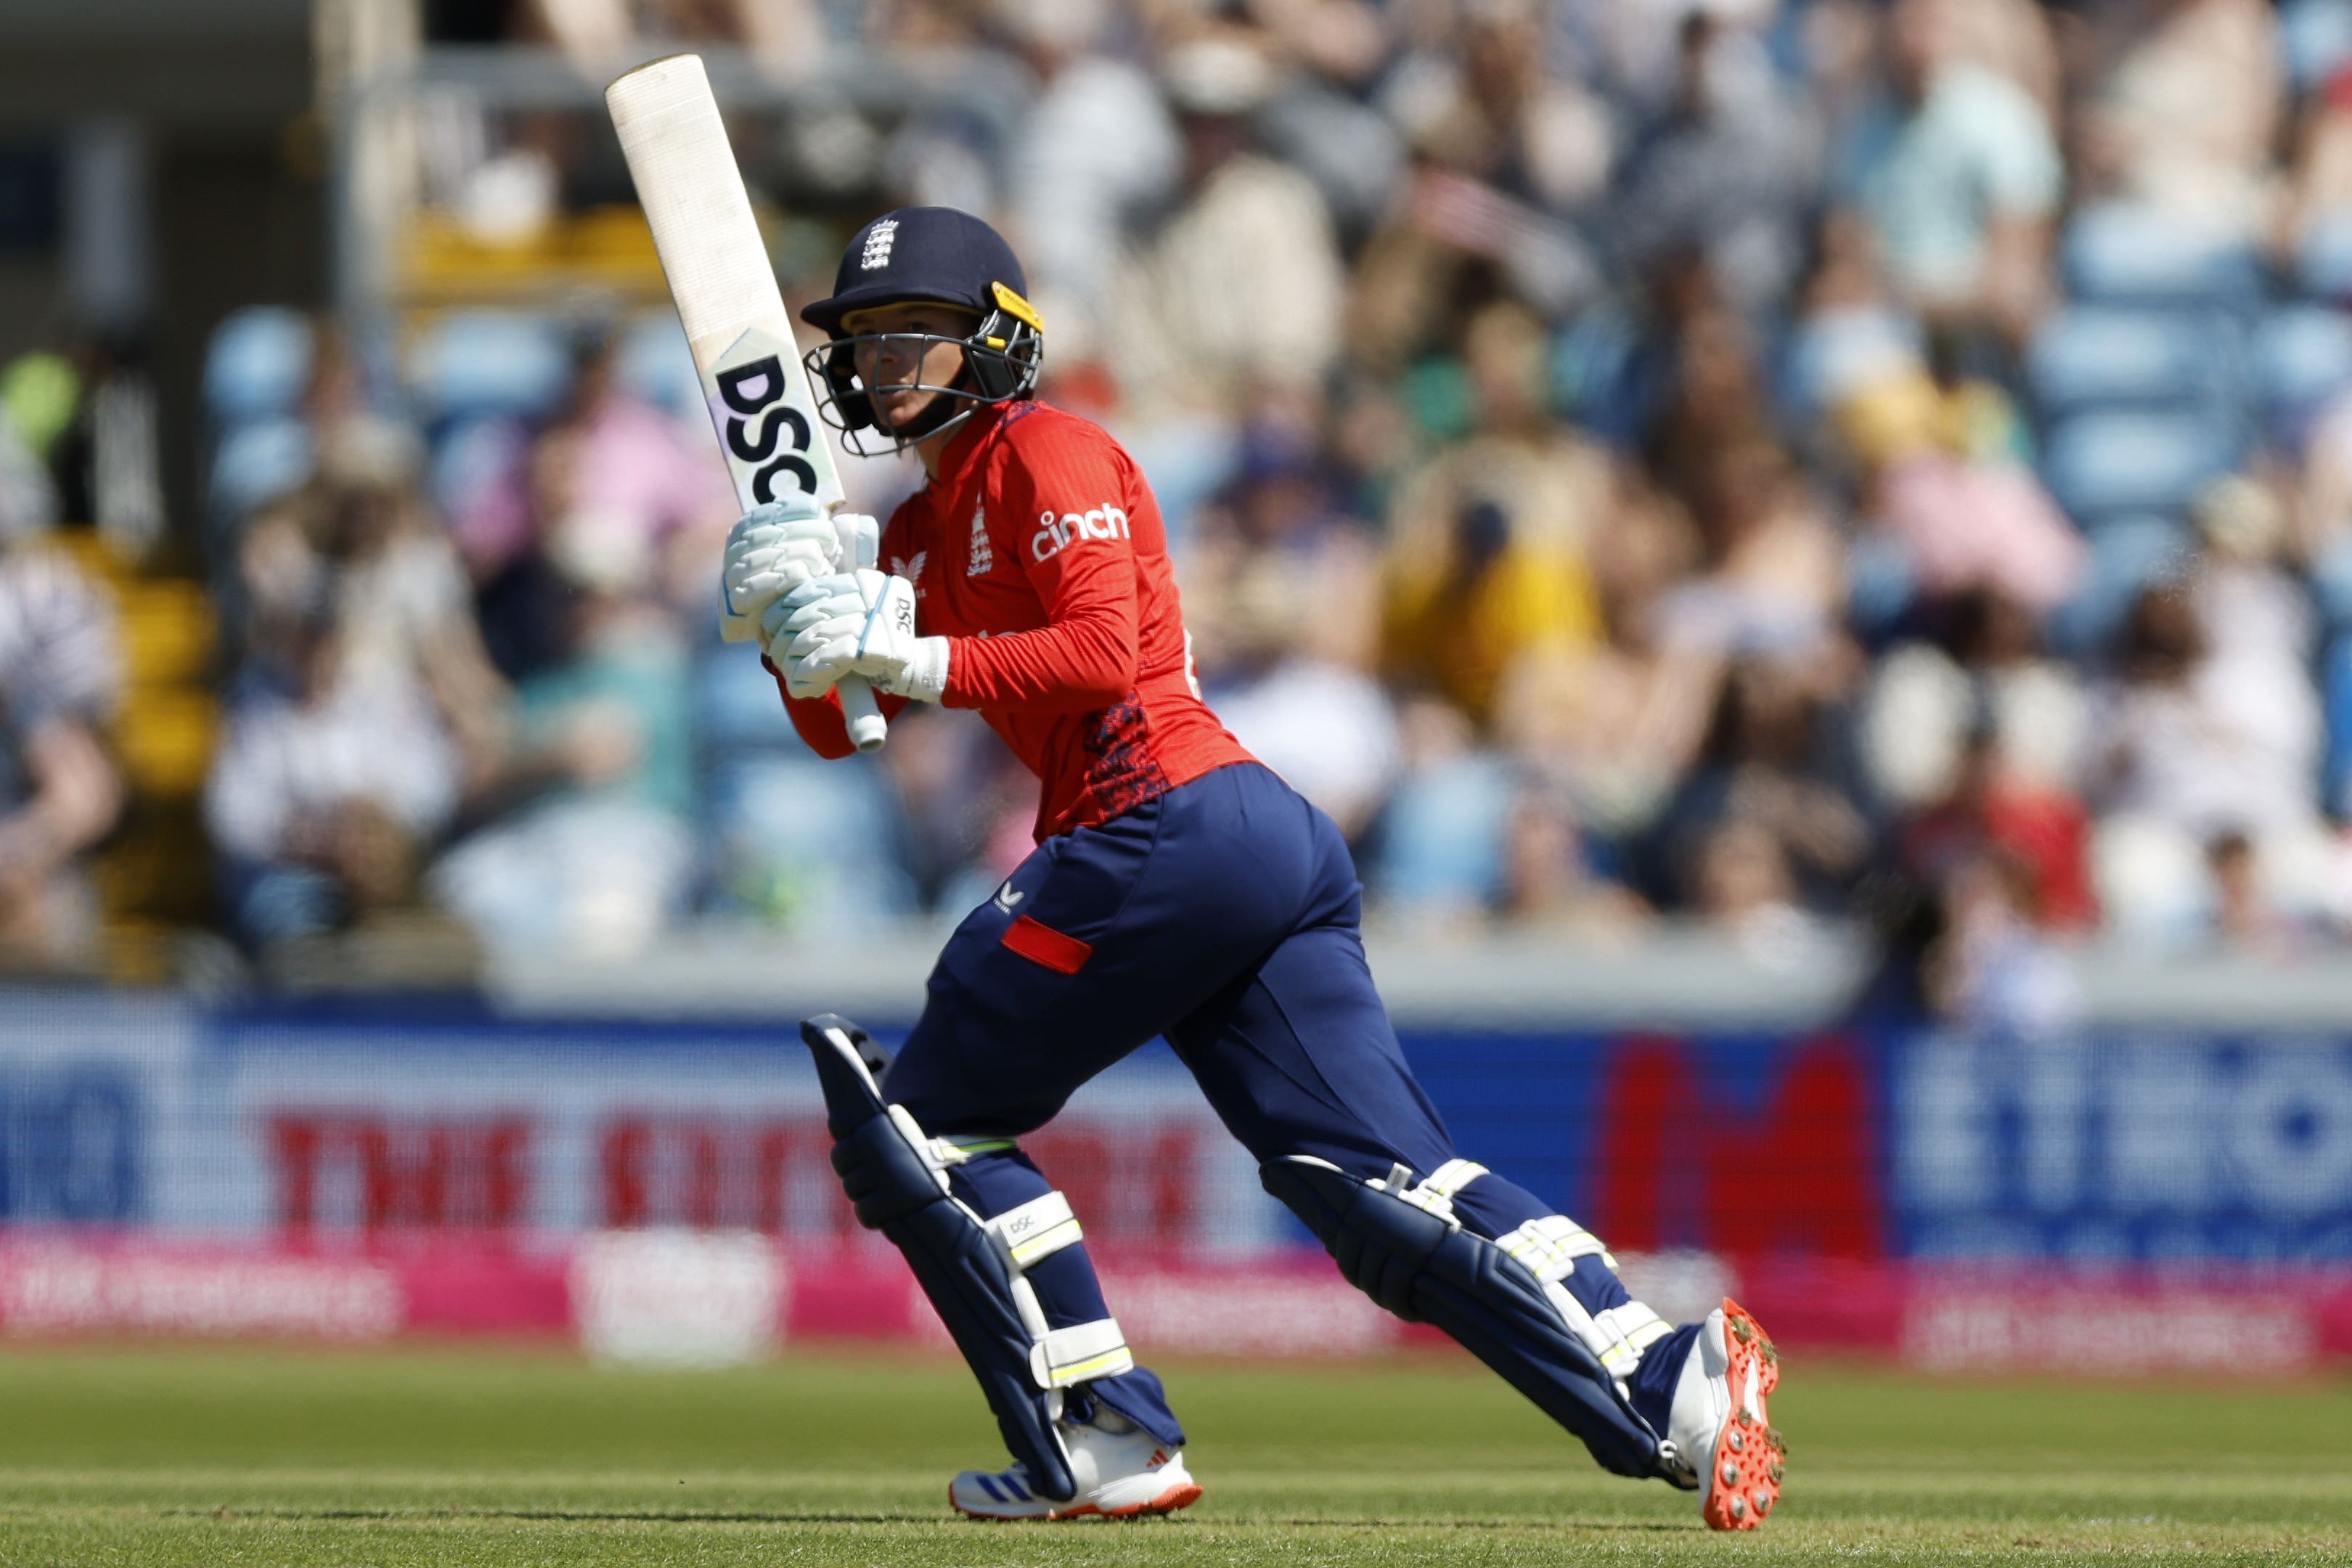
(890, 654)
(811, 633)
(774, 549)
(860, 621)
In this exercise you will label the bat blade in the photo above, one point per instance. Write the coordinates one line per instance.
(716, 262)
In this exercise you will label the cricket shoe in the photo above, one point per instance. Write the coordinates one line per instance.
(1121, 1469)
(1718, 1428)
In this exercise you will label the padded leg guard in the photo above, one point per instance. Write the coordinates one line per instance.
(969, 1268)
(1414, 1259)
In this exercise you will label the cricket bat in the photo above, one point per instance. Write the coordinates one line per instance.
(726, 294)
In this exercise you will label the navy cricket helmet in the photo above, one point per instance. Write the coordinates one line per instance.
(936, 254)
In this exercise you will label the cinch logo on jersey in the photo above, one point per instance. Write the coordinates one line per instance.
(878, 241)
(1055, 534)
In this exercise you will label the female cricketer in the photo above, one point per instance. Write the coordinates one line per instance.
(1179, 888)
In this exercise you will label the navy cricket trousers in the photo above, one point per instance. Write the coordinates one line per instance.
(1225, 916)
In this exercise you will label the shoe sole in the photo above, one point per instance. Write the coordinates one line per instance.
(1744, 1483)
(1183, 1495)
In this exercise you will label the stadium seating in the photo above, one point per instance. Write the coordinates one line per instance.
(2128, 555)
(474, 364)
(652, 361)
(735, 704)
(2336, 696)
(2121, 254)
(259, 363)
(2315, 35)
(1441, 840)
(1839, 350)
(2322, 260)
(789, 836)
(2104, 465)
(2302, 357)
(255, 463)
(2091, 357)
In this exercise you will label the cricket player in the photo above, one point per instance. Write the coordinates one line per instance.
(1178, 889)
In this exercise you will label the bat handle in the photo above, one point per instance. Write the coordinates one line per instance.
(867, 728)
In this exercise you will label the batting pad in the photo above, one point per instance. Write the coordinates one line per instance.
(970, 1268)
(1423, 1267)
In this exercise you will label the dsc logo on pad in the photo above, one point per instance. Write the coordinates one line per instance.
(1055, 534)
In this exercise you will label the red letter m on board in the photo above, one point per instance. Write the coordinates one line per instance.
(1682, 1166)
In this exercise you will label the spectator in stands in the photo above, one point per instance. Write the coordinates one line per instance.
(2320, 174)
(1487, 555)
(1729, 171)
(1329, 729)
(1095, 154)
(60, 675)
(598, 36)
(1444, 852)
(329, 787)
(629, 467)
(1698, 386)
(1772, 761)
(1479, 96)
(1280, 593)
(1743, 885)
(1775, 569)
(2247, 918)
(1352, 261)
(1241, 288)
(1960, 174)
(1323, 120)
(2038, 833)
(588, 844)
(2213, 728)
(1616, 727)
(1995, 972)
(359, 542)
(2185, 107)
(1979, 739)
(1553, 876)
(1946, 487)
(965, 815)
(524, 605)
(605, 452)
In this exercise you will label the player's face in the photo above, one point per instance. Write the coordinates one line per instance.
(896, 356)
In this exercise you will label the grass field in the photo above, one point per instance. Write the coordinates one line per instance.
(245, 1457)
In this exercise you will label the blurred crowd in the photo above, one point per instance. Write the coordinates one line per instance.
(1773, 462)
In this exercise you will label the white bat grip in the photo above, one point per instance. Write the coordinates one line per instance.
(867, 728)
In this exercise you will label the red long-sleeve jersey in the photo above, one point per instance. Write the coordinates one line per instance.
(1038, 550)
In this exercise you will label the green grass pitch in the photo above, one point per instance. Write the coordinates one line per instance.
(236, 1458)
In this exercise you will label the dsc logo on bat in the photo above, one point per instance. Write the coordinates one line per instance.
(759, 425)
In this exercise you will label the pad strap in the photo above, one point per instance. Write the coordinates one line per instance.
(1617, 1337)
(1452, 1176)
(1436, 1195)
(932, 1152)
(1628, 1331)
(1079, 1353)
(1551, 1246)
(1036, 1229)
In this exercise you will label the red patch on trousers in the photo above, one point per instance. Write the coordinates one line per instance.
(1042, 944)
